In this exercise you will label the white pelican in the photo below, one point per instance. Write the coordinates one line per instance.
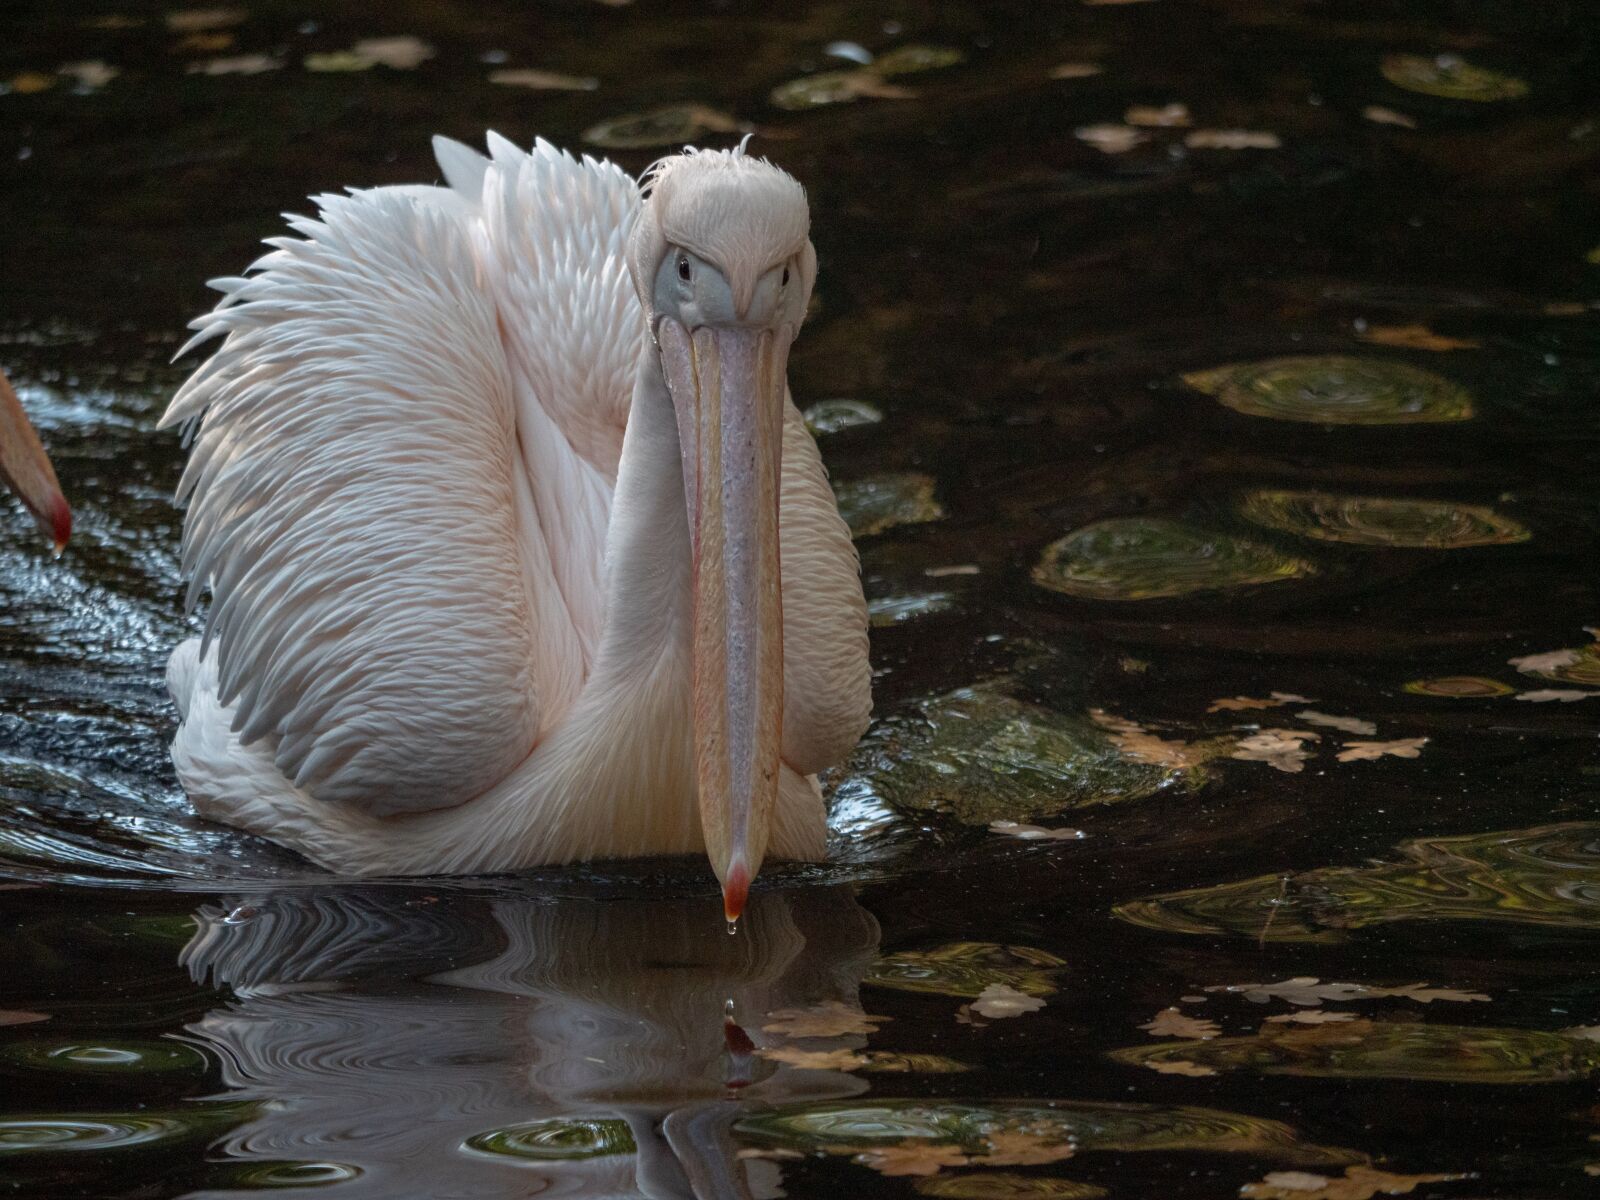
(26, 470)
(491, 488)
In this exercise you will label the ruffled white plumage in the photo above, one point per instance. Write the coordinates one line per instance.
(401, 490)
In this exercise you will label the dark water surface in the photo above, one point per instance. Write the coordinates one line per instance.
(1365, 947)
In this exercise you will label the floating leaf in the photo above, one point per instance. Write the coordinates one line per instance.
(1170, 1022)
(1249, 703)
(1580, 666)
(1541, 876)
(197, 20)
(1400, 748)
(814, 1060)
(1335, 389)
(911, 1158)
(1035, 833)
(203, 43)
(1282, 749)
(831, 1018)
(90, 74)
(893, 1062)
(1003, 1185)
(30, 82)
(967, 969)
(1168, 116)
(1414, 337)
(1346, 724)
(1023, 1148)
(1001, 1000)
(397, 53)
(1563, 695)
(1111, 139)
(1388, 116)
(557, 1139)
(338, 61)
(550, 81)
(970, 1128)
(1308, 990)
(1376, 521)
(1389, 1050)
(1311, 1016)
(1075, 70)
(1137, 742)
(981, 755)
(239, 64)
(1459, 687)
(674, 125)
(835, 416)
(915, 59)
(1358, 1183)
(1179, 1066)
(1232, 139)
(1153, 558)
(836, 87)
(21, 1016)
(1449, 77)
(878, 502)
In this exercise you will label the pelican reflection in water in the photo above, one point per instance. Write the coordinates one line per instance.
(602, 1019)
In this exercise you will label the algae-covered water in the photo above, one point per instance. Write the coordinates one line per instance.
(1211, 386)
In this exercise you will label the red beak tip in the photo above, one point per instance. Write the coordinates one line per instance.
(735, 891)
(60, 524)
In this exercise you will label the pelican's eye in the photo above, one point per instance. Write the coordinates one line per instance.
(785, 281)
(683, 267)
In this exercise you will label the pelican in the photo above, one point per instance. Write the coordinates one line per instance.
(25, 469)
(519, 551)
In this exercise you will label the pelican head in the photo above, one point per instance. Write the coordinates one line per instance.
(723, 265)
(26, 470)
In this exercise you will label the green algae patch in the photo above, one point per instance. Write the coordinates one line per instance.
(1335, 389)
(875, 503)
(981, 755)
(970, 1128)
(1154, 558)
(1451, 78)
(1542, 876)
(965, 969)
(1362, 1049)
(1376, 521)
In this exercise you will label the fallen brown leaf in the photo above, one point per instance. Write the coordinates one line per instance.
(1248, 703)
(1136, 741)
(1388, 116)
(552, 81)
(1309, 991)
(829, 1019)
(1232, 139)
(814, 1060)
(912, 1158)
(1563, 695)
(1169, 1022)
(1311, 1016)
(1001, 1000)
(1413, 337)
(1026, 1149)
(1178, 1066)
(1347, 724)
(1359, 1183)
(1400, 748)
(1075, 70)
(1168, 116)
(1111, 139)
(21, 1016)
(1534, 664)
(193, 20)
(1282, 749)
(1035, 833)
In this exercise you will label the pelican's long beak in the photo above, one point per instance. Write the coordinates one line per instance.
(727, 386)
(26, 470)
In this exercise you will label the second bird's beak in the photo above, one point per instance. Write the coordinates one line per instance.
(727, 385)
(26, 470)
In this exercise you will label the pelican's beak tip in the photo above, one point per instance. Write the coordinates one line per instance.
(60, 521)
(735, 891)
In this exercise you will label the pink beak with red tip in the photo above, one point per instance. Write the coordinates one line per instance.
(26, 470)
